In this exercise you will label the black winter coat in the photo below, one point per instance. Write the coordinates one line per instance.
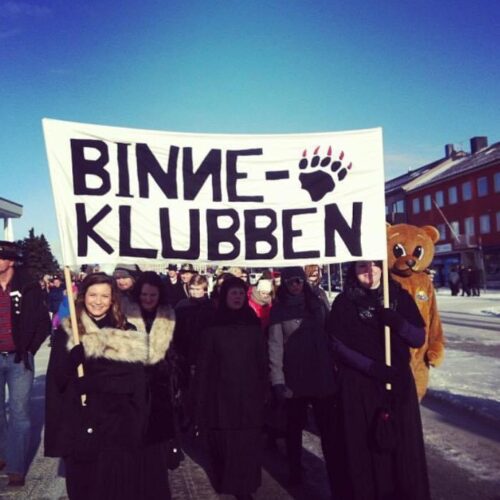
(30, 317)
(231, 377)
(365, 472)
(298, 346)
(115, 385)
(160, 423)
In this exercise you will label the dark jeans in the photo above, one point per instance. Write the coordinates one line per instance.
(325, 415)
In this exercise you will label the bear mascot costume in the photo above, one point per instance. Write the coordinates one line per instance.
(410, 250)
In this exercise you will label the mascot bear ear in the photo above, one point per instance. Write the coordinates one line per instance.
(432, 232)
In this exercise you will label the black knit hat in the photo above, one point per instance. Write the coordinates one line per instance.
(10, 251)
(292, 272)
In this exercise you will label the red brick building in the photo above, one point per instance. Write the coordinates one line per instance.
(460, 195)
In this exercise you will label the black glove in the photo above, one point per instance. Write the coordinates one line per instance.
(279, 393)
(382, 372)
(77, 355)
(392, 319)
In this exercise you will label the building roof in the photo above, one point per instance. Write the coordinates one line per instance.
(483, 158)
(444, 168)
(10, 209)
(400, 181)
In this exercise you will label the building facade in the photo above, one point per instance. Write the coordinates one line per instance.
(460, 196)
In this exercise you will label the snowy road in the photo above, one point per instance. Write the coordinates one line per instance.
(461, 416)
(469, 376)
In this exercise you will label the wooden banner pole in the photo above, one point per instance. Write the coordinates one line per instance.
(387, 331)
(74, 322)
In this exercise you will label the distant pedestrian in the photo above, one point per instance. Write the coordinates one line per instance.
(174, 286)
(454, 280)
(125, 276)
(193, 315)
(260, 299)
(24, 325)
(186, 272)
(313, 276)
(475, 281)
(465, 275)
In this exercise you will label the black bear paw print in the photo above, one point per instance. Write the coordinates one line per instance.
(320, 182)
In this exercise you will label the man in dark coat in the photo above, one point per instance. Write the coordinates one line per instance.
(24, 325)
(174, 287)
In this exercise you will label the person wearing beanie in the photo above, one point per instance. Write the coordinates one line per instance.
(231, 382)
(125, 276)
(301, 370)
(260, 299)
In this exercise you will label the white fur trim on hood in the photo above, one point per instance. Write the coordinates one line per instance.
(161, 333)
(109, 343)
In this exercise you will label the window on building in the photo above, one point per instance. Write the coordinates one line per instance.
(484, 224)
(482, 186)
(466, 191)
(399, 207)
(469, 226)
(452, 195)
(439, 198)
(416, 205)
(498, 221)
(442, 231)
(497, 182)
(455, 228)
(427, 202)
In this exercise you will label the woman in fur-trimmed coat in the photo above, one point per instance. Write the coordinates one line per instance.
(99, 442)
(150, 316)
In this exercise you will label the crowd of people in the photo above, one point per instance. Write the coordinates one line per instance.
(465, 278)
(158, 358)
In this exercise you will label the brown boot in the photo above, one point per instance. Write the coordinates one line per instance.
(15, 479)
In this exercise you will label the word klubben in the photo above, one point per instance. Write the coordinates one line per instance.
(245, 234)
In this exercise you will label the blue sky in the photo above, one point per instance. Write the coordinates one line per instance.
(425, 71)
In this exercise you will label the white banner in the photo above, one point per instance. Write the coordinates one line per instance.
(139, 196)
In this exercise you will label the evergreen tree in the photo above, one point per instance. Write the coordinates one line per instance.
(38, 258)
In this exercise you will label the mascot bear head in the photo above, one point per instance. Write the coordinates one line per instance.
(410, 249)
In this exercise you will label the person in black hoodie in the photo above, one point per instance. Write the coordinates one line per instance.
(231, 381)
(99, 441)
(379, 442)
(301, 369)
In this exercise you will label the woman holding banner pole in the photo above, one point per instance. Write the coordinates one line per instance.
(96, 421)
(378, 428)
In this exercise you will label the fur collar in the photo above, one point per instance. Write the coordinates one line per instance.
(109, 343)
(161, 333)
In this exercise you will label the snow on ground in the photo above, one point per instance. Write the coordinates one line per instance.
(470, 374)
